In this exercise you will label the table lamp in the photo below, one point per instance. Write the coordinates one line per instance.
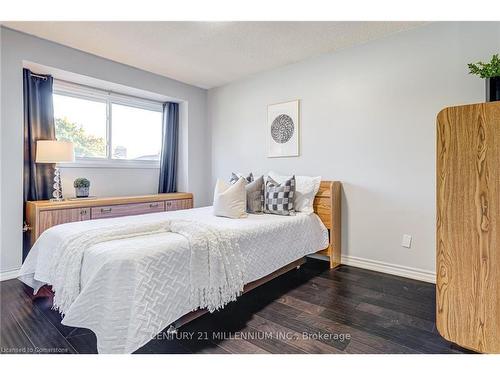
(55, 152)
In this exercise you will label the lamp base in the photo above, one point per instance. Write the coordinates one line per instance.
(57, 193)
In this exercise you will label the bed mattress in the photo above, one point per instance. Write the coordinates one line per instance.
(132, 289)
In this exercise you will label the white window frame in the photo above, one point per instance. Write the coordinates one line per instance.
(108, 97)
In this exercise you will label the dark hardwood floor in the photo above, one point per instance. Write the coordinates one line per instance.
(311, 310)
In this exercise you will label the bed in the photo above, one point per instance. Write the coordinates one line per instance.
(131, 289)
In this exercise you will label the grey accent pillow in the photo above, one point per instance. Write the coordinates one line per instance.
(236, 176)
(278, 198)
(255, 196)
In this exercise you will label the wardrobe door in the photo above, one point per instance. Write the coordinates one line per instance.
(467, 239)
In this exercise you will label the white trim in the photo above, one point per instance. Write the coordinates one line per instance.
(10, 274)
(111, 163)
(76, 90)
(389, 268)
(392, 269)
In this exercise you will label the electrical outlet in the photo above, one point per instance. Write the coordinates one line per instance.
(406, 242)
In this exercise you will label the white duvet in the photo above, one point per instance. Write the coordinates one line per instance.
(131, 289)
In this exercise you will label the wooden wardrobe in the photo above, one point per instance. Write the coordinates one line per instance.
(468, 226)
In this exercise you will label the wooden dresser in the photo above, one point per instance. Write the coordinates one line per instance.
(468, 226)
(42, 215)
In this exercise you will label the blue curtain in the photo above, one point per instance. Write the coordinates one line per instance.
(38, 125)
(169, 147)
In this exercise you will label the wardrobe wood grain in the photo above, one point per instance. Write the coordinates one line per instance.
(467, 238)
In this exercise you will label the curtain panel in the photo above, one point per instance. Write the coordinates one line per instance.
(38, 125)
(169, 149)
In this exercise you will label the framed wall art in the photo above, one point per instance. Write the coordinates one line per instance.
(283, 129)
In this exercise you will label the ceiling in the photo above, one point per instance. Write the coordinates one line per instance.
(209, 54)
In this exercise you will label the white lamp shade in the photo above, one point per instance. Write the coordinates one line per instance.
(54, 152)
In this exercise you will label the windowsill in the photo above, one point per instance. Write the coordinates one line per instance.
(132, 164)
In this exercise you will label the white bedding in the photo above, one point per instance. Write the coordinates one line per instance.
(131, 289)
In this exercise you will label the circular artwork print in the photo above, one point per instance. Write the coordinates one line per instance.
(282, 128)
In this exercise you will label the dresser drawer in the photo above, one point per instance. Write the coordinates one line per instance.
(55, 217)
(41, 215)
(178, 204)
(117, 210)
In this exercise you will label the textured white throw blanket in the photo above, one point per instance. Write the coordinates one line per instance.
(217, 268)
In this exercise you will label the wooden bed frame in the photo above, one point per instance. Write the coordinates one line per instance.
(327, 205)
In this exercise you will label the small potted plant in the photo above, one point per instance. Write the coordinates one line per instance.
(81, 186)
(491, 73)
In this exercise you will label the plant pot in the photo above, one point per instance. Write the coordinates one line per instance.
(82, 192)
(492, 89)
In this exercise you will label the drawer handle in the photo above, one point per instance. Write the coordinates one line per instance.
(153, 205)
(83, 212)
(169, 204)
(105, 210)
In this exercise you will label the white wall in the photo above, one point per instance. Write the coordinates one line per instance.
(368, 120)
(18, 47)
(112, 182)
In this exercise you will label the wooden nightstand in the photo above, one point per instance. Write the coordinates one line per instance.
(42, 215)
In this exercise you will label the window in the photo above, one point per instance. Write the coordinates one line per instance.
(136, 133)
(82, 122)
(108, 128)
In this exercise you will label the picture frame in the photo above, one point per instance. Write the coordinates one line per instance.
(283, 129)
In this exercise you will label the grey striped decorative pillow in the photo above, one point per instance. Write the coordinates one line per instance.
(255, 196)
(278, 198)
(254, 191)
(236, 176)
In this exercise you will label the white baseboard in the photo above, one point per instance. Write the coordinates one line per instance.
(7, 275)
(391, 269)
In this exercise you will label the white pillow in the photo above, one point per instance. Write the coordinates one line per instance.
(306, 189)
(230, 200)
